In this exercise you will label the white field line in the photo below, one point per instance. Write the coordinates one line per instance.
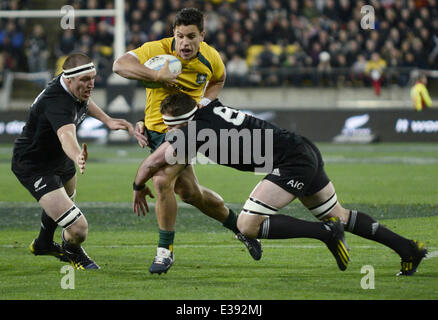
(432, 254)
(275, 246)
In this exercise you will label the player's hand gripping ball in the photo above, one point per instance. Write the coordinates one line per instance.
(158, 62)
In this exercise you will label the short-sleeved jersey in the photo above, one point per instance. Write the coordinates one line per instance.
(233, 138)
(206, 66)
(38, 148)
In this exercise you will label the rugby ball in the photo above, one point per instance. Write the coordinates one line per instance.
(158, 62)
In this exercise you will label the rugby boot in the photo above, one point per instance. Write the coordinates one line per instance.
(336, 243)
(162, 261)
(51, 249)
(409, 264)
(79, 258)
(254, 246)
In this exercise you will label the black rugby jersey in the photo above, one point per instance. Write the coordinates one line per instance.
(38, 148)
(233, 138)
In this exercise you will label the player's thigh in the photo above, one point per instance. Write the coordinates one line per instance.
(55, 203)
(67, 173)
(70, 185)
(271, 194)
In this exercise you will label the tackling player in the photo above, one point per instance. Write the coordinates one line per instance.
(202, 77)
(297, 172)
(47, 150)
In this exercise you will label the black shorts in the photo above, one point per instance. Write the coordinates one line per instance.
(39, 184)
(304, 174)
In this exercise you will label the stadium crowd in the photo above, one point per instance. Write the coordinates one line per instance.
(262, 42)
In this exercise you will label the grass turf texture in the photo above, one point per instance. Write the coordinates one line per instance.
(394, 183)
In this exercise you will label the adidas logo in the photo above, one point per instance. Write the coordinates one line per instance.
(276, 172)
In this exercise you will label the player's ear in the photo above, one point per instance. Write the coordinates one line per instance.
(202, 35)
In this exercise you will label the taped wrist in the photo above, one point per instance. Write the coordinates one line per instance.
(204, 101)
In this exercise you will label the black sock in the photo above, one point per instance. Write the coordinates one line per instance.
(365, 226)
(281, 226)
(231, 222)
(48, 227)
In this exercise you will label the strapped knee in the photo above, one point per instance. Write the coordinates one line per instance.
(255, 206)
(69, 217)
(322, 210)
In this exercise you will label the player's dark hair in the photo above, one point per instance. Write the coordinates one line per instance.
(189, 16)
(177, 104)
(75, 60)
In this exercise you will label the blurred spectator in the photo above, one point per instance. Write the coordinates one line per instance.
(358, 70)
(405, 29)
(268, 61)
(66, 44)
(2, 66)
(12, 44)
(37, 50)
(237, 71)
(309, 10)
(374, 69)
(324, 69)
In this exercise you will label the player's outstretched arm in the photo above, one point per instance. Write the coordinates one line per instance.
(112, 123)
(151, 165)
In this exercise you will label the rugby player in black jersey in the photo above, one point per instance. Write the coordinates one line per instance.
(295, 169)
(47, 150)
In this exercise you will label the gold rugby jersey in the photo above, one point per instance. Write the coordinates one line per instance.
(420, 97)
(206, 66)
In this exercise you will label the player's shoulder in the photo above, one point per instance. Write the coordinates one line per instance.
(207, 50)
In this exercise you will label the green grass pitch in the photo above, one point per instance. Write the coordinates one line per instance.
(395, 183)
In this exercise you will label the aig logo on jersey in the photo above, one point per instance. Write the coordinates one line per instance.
(295, 184)
(201, 78)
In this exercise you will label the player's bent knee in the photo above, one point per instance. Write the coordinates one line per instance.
(249, 225)
(69, 217)
(246, 226)
(74, 222)
(189, 196)
(326, 209)
(253, 214)
(162, 184)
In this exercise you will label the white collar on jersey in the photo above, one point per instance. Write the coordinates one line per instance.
(65, 87)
